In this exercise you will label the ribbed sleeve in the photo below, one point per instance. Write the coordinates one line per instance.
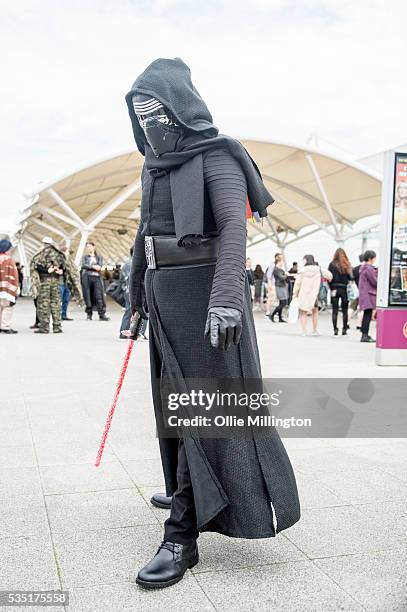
(138, 268)
(226, 186)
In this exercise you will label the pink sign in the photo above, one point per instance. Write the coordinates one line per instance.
(391, 328)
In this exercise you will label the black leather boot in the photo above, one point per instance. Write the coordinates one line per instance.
(169, 565)
(159, 500)
(103, 317)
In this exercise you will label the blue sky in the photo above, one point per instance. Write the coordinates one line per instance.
(274, 69)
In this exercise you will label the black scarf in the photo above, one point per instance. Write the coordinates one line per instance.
(170, 82)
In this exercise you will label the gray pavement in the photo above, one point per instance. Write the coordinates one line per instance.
(65, 524)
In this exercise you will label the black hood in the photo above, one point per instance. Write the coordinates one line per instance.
(169, 81)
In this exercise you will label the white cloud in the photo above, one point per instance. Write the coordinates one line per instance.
(277, 69)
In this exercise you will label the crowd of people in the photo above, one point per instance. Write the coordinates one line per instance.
(352, 290)
(55, 279)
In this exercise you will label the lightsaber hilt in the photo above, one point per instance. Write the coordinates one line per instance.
(135, 326)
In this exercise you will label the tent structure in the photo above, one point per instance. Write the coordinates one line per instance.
(101, 201)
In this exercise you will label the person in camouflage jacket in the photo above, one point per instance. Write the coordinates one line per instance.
(47, 268)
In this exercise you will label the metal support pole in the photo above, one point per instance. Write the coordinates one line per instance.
(50, 212)
(81, 246)
(282, 249)
(21, 253)
(49, 227)
(304, 194)
(281, 244)
(304, 213)
(71, 213)
(323, 193)
(364, 242)
(96, 217)
(297, 237)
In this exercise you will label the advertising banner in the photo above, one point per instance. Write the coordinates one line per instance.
(398, 271)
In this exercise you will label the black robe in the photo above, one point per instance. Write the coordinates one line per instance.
(243, 486)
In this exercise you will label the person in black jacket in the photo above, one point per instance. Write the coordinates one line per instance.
(249, 271)
(341, 270)
(281, 284)
(291, 276)
(258, 279)
(92, 286)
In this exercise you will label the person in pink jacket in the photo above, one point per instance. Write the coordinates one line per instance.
(367, 292)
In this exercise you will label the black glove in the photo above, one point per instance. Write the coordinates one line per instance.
(224, 326)
(191, 240)
(138, 300)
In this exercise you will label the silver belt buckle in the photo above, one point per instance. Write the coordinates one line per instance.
(149, 251)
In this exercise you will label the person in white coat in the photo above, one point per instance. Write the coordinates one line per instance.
(306, 289)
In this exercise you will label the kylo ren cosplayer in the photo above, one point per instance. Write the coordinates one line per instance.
(188, 274)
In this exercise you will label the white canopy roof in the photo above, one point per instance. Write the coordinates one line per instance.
(102, 200)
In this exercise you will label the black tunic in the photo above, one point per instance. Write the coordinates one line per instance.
(224, 213)
(243, 487)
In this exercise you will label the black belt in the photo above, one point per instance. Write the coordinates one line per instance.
(46, 276)
(164, 252)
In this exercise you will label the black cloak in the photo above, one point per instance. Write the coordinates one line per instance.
(243, 486)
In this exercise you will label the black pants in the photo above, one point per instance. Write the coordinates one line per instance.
(278, 310)
(341, 295)
(367, 317)
(290, 291)
(95, 290)
(181, 527)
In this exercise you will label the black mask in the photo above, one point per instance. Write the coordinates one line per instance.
(161, 129)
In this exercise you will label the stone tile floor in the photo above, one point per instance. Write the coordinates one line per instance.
(65, 524)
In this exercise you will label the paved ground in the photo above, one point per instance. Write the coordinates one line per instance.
(65, 524)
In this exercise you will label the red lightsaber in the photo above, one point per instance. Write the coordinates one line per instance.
(133, 334)
(114, 403)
